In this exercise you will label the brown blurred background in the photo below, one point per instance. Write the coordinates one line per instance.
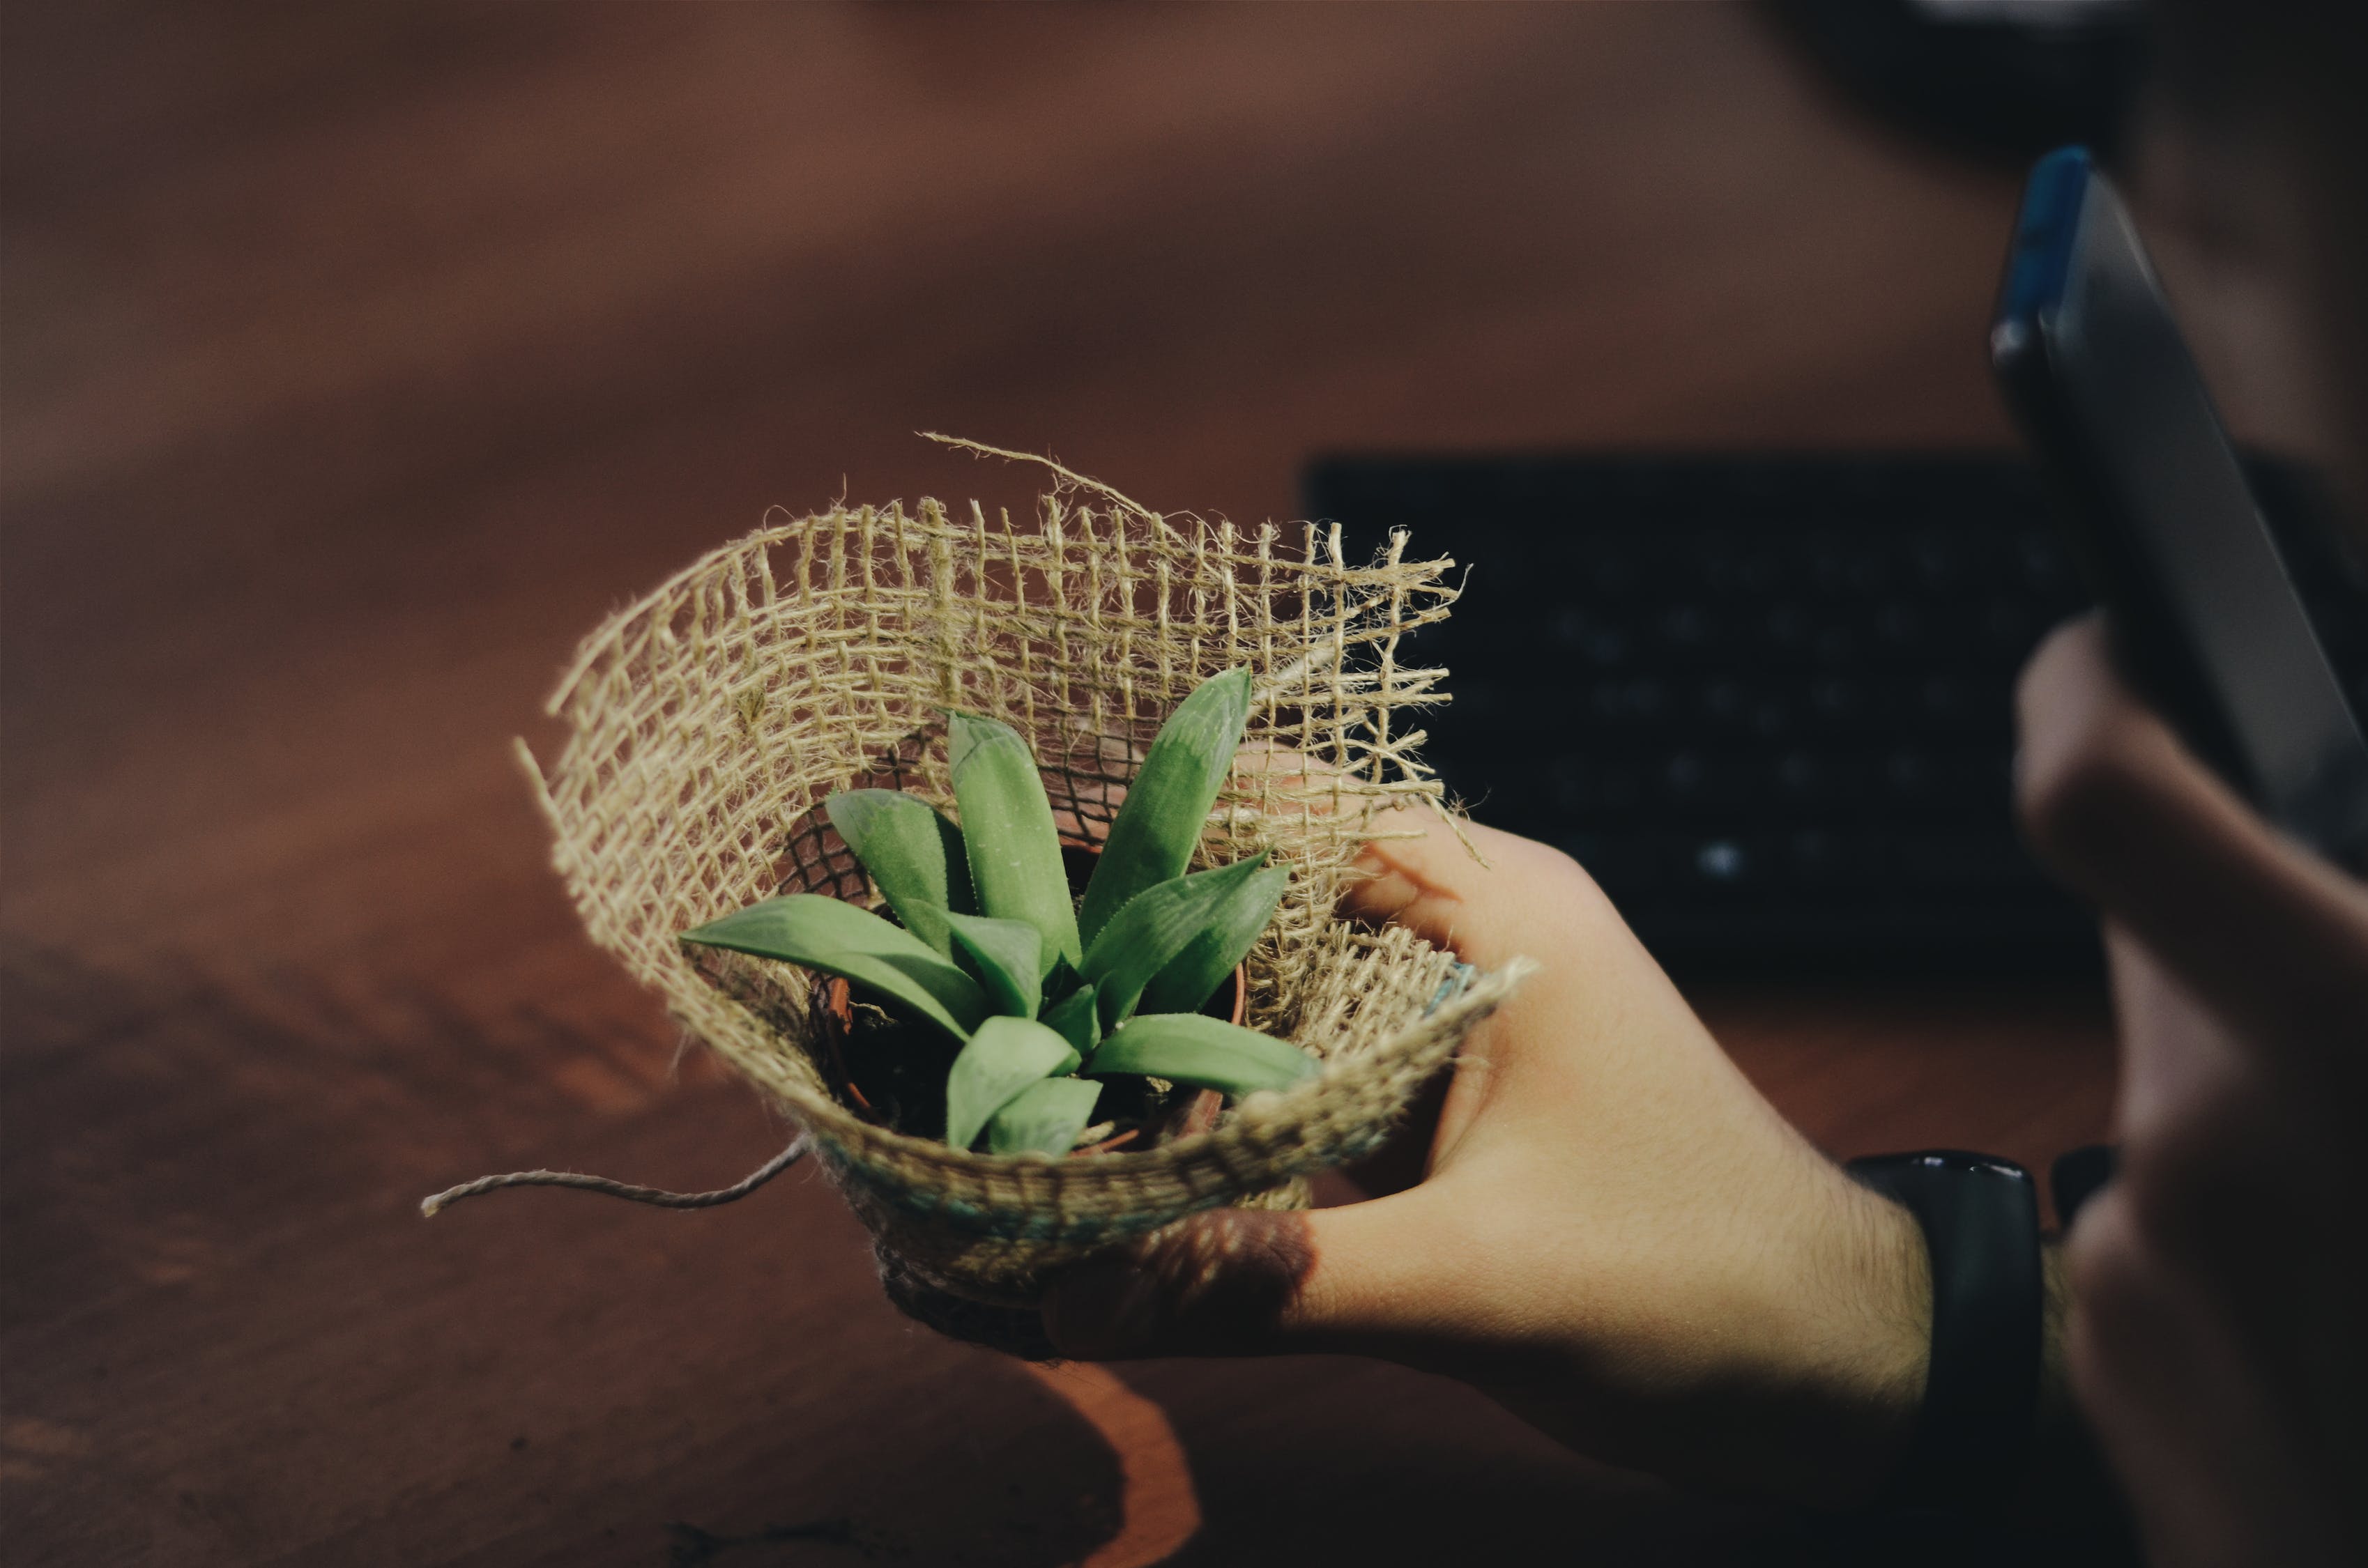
(356, 360)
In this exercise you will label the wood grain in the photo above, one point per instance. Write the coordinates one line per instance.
(358, 359)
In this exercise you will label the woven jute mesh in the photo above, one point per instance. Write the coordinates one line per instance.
(709, 721)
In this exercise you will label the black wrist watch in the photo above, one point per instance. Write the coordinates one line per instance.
(1980, 1218)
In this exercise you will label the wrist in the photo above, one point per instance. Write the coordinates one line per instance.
(1848, 1358)
(1795, 1374)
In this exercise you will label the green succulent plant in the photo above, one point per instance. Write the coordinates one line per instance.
(1047, 995)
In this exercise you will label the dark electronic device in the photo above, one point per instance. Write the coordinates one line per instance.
(1767, 700)
(2204, 617)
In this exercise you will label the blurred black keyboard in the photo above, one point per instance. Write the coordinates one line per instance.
(1766, 701)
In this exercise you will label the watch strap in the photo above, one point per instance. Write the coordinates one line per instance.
(1980, 1218)
(2077, 1176)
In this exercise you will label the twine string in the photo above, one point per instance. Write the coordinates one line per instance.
(656, 1196)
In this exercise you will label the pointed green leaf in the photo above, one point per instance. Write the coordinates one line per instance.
(1046, 1117)
(1074, 1019)
(1003, 1057)
(1166, 806)
(1190, 1049)
(1013, 850)
(1005, 955)
(1159, 923)
(914, 854)
(858, 946)
(1060, 980)
(1193, 975)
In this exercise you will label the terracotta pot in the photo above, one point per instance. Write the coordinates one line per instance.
(1195, 1113)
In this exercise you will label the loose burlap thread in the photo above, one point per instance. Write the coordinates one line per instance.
(708, 720)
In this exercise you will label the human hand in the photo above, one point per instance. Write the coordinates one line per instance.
(2221, 1282)
(1606, 1227)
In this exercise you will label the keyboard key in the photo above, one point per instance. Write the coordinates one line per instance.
(2046, 568)
(1688, 630)
(1725, 702)
(1826, 562)
(1945, 702)
(1687, 775)
(1771, 716)
(1722, 861)
(1839, 701)
(2011, 625)
(1940, 563)
(1899, 623)
(1811, 780)
(1608, 784)
(1614, 573)
(1790, 626)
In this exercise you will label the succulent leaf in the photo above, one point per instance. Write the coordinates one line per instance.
(914, 854)
(1166, 806)
(1192, 976)
(859, 946)
(1060, 980)
(1205, 1052)
(1013, 850)
(1157, 924)
(1004, 1056)
(1073, 1018)
(1005, 956)
(1046, 1117)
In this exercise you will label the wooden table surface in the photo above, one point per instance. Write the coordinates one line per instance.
(356, 360)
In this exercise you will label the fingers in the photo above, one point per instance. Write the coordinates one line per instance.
(1484, 894)
(2150, 1351)
(1517, 898)
(1220, 1283)
(2267, 933)
(1405, 1156)
(1252, 1282)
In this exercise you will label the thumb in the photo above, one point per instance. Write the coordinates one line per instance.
(1241, 1282)
(1485, 895)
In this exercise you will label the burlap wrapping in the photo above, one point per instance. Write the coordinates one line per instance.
(710, 720)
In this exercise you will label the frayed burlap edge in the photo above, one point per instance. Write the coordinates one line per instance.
(709, 719)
